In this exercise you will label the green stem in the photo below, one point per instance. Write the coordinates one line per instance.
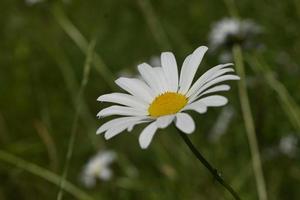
(249, 123)
(232, 9)
(72, 85)
(248, 119)
(210, 168)
(71, 144)
(72, 31)
(154, 24)
(288, 103)
(43, 173)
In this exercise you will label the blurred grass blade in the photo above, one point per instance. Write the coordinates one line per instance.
(43, 173)
(290, 107)
(297, 7)
(178, 39)
(71, 30)
(249, 124)
(4, 136)
(246, 110)
(154, 24)
(86, 71)
(50, 145)
(73, 86)
(231, 7)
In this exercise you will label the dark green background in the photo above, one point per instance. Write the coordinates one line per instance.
(41, 69)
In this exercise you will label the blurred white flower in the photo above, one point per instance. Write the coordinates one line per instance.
(222, 32)
(222, 123)
(162, 96)
(230, 31)
(98, 167)
(288, 145)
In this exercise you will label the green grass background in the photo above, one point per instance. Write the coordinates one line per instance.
(41, 67)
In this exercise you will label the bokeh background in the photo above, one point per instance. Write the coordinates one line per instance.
(44, 46)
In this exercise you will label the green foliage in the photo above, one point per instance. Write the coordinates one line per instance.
(42, 55)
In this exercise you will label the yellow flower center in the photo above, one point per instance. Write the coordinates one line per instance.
(166, 104)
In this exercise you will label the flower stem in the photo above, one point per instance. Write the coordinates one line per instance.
(211, 169)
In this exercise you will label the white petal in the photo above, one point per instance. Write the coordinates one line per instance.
(198, 107)
(130, 128)
(150, 76)
(170, 69)
(114, 131)
(220, 72)
(117, 129)
(116, 122)
(218, 88)
(213, 101)
(164, 86)
(164, 121)
(137, 88)
(203, 79)
(189, 68)
(147, 134)
(121, 110)
(185, 123)
(213, 82)
(123, 99)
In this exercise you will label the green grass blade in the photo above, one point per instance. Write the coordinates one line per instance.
(154, 24)
(290, 107)
(71, 30)
(86, 71)
(73, 87)
(43, 173)
(249, 124)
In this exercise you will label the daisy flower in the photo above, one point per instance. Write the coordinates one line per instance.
(222, 31)
(230, 30)
(98, 168)
(163, 96)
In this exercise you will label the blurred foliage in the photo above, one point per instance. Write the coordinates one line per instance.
(41, 68)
